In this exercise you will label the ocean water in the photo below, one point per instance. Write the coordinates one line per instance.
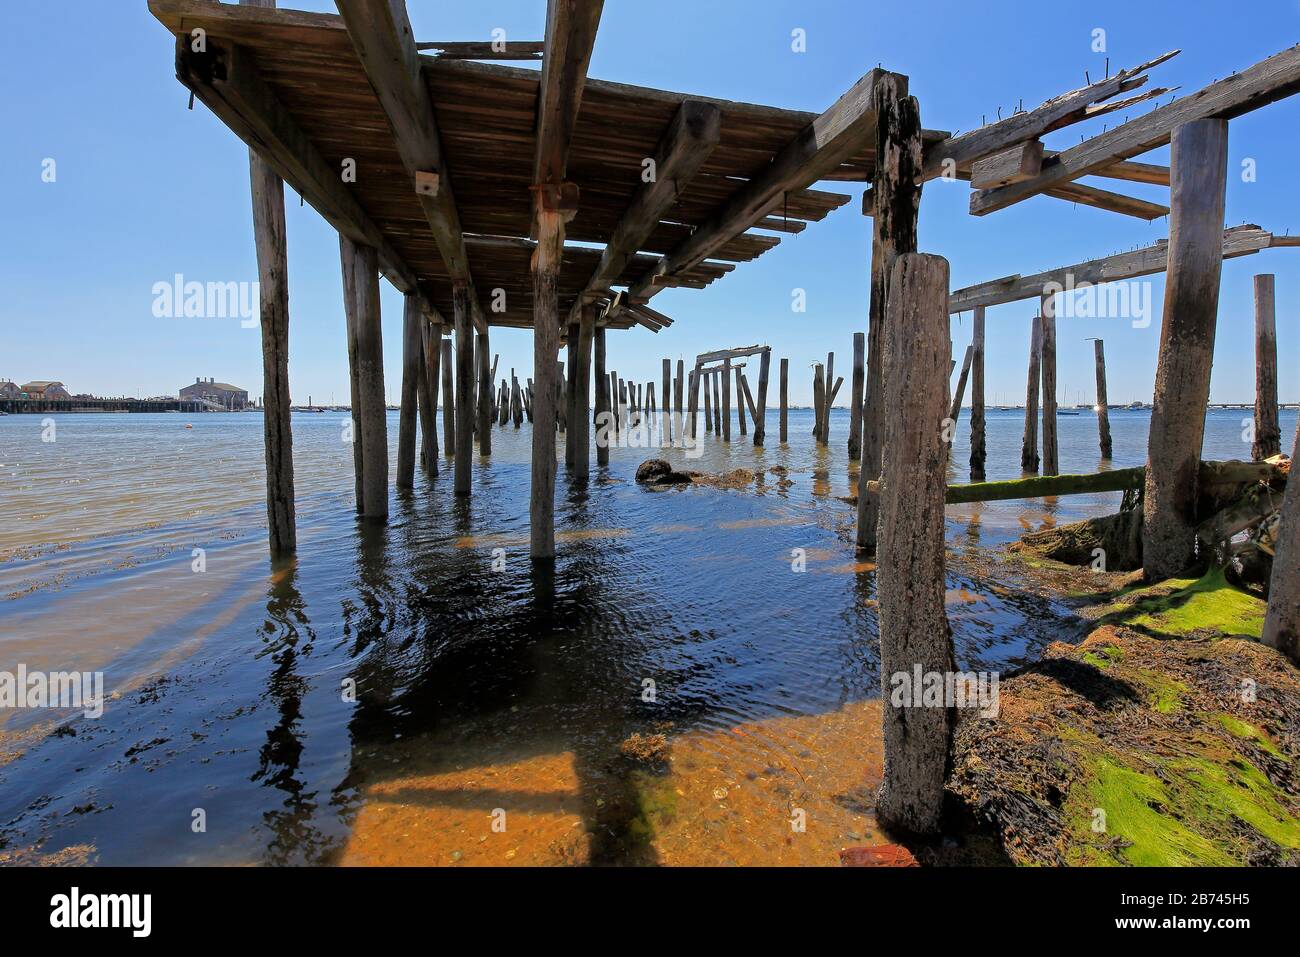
(396, 686)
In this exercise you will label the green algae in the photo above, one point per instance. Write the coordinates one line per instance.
(1182, 606)
(1243, 729)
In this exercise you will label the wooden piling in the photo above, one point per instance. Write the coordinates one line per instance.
(826, 406)
(693, 402)
(373, 422)
(570, 394)
(1103, 408)
(547, 256)
(484, 394)
(785, 400)
(273, 285)
(716, 378)
(603, 424)
(348, 260)
(855, 400)
(977, 448)
(1282, 619)
(740, 401)
(954, 410)
(679, 385)
(428, 396)
(1198, 169)
(708, 403)
(463, 325)
(666, 427)
(1029, 444)
(760, 417)
(412, 319)
(896, 199)
(580, 417)
(915, 638)
(448, 399)
(516, 400)
(819, 400)
(1051, 457)
(1268, 434)
(726, 400)
(503, 404)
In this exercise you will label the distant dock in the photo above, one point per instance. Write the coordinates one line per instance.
(12, 406)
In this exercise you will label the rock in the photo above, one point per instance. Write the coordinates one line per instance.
(659, 472)
(878, 855)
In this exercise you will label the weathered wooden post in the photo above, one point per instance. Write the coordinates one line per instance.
(273, 305)
(760, 412)
(666, 429)
(412, 319)
(580, 419)
(826, 406)
(785, 400)
(896, 199)
(726, 400)
(855, 400)
(464, 327)
(819, 400)
(1051, 457)
(915, 639)
(708, 402)
(740, 401)
(516, 399)
(716, 377)
(692, 402)
(428, 395)
(484, 394)
(547, 257)
(679, 384)
(1268, 434)
(570, 392)
(954, 410)
(977, 451)
(448, 400)
(1103, 406)
(1282, 620)
(603, 425)
(1198, 169)
(1029, 444)
(361, 278)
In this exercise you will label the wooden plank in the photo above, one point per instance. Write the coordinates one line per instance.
(1237, 241)
(227, 81)
(704, 358)
(482, 49)
(829, 140)
(1020, 162)
(959, 152)
(1264, 83)
(1107, 200)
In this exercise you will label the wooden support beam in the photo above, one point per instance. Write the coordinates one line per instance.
(1237, 241)
(381, 33)
(485, 377)
(1198, 159)
(960, 392)
(226, 79)
(408, 410)
(1020, 162)
(1047, 316)
(361, 294)
(741, 400)
(603, 424)
(760, 413)
(855, 399)
(448, 398)
(273, 286)
(977, 448)
(580, 420)
(463, 325)
(570, 391)
(1268, 433)
(1102, 407)
(482, 49)
(1264, 83)
(826, 143)
(725, 378)
(1282, 619)
(896, 195)
(708, 399)
(785, 400)
(959, 152)
(915, 637)
(570, 34)
(1105, 199)
(428, 395)
(704, 358)
(685, 145)
(1029, 444)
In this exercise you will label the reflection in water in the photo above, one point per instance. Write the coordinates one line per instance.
(483, 680)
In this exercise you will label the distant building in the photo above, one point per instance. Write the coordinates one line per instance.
(43, 389)
(227, 396)
(9, 389)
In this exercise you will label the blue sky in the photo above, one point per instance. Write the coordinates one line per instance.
(145, 189)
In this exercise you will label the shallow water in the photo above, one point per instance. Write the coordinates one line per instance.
(482, 684)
